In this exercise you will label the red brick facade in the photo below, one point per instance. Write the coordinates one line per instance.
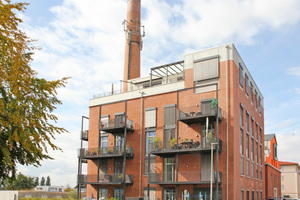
(238, 183)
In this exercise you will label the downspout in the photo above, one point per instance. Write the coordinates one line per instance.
(141, 142)
(227, 57)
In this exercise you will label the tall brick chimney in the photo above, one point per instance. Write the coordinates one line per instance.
(133, 42)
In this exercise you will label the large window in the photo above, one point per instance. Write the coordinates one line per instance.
(206, 69)
(241, 115)
(103, 193)
(259, 98)
(241, 75)
(119, 193)
(169, 169)
(150, 136)
(275, 151)
(150, 118)
(247, 121)
(247, 84)
(242, 194)
(169, 194)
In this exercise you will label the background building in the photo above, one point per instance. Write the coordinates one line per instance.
(156, 137)
(290, 179)
(273, 174)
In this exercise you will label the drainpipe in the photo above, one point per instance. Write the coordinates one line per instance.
(227, 57)
(141, 142)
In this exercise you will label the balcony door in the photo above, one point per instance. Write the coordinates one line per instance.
(119, 141)
(169, 134)
(102, 194)
(102, 171)
(169, 169)
(118, 166)
(119, 193)
(119, 120)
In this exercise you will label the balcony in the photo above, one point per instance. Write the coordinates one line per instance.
(184, 177)
(105, 152)
(116, 125)
(84, 135)
(184, 147)
(193, 114)
(105, 179)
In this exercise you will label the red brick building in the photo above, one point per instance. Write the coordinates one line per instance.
(273, 173)
(156, 137)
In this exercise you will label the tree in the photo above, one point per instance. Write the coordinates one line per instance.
(48, 182)
(27, 122)
(22, 182)
(42, 181)
(36, 181)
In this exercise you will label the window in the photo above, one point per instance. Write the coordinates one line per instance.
(260, 154)
(252, 148)
(206, 69)
(241, 75)
(251, 92)
(242, 194)
(247, 196)
(261, 195)
(247, 122)
(247, 84)
(255, 99)
(259, 98)
(150, 136)
(256, 131)
(241, 115)
(241, 142)
(150, 118)
(257, 195)
(242, 165)
(282, 187)
(247, 146)
(151, 193)
(252, 195)
(251, 127)
(275, 151)
(118, 193)
(103, 193)
(169, 116)
(260, 135)
(282, 178)
(256, 156)
(169, 194)
(169, 169)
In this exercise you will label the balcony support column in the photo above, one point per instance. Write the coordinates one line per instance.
(217, 146)
(124, 156)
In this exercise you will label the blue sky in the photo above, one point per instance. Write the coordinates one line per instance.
(85, 40)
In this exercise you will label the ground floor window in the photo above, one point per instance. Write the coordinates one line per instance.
(204, 193)
(169, 194)
(119, 193)
(102, 194)
(151, 193)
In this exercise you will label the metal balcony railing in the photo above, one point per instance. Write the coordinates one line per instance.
(110, 151)
(184, 145)
(84, 135)
(192, 177)
(116, 178)
(196, 112)
(116, 123)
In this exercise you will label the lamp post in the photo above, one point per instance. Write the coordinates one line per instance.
(211, 169)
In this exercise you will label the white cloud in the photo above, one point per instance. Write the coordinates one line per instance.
(294, 71)
(288, 146)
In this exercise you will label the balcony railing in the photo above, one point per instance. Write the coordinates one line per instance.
(194, 114)
(115, 179)
(111, 151)
(184, 177)
(117, 124)
(184, 146)
(84, 135)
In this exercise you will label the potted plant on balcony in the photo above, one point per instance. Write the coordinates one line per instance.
(157, 143)
(120, 177)
(109, 151)
(173, 143)
(210, 138)
(99, 151)
(94, 152)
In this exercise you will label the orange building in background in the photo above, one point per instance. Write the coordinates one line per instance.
(273, 174)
